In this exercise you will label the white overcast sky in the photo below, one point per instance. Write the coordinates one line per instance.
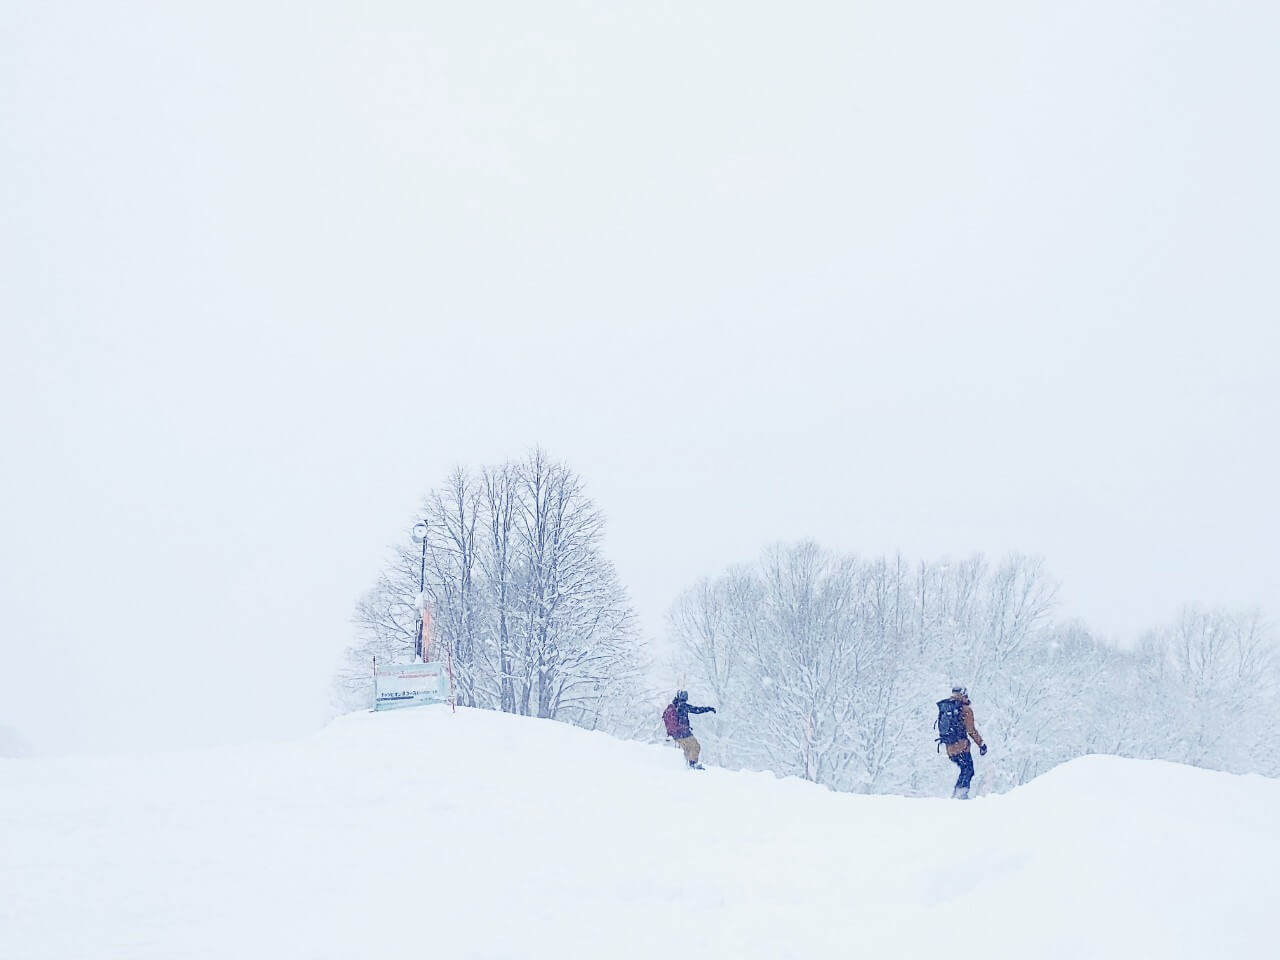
(932, 276)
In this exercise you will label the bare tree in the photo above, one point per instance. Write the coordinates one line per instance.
(1214, 676)
(520, 594)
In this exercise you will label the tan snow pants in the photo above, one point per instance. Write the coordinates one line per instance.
(691, 748)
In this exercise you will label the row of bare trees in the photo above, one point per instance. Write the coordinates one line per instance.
(519, 591)
(823, 665)
(826, 666)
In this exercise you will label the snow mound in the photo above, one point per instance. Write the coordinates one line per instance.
(489, 836)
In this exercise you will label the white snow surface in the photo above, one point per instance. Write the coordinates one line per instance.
(482, 835)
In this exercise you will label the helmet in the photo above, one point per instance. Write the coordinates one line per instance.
(682, 695)
(958, 690)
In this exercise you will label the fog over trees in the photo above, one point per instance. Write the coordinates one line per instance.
(12, 743)
(827, 666)
(823, 665)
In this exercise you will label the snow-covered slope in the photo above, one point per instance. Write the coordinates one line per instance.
(421, 833)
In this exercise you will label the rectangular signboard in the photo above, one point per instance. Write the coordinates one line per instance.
(409, 684)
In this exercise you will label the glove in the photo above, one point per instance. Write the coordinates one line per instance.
(982, 750)
(713, 709)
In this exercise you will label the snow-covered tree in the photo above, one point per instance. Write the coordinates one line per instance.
(827, 667)
(519, 594)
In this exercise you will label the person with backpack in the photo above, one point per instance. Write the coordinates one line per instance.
(956, 728)
(676, 718)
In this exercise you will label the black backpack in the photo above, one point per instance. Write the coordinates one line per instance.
(950, 722)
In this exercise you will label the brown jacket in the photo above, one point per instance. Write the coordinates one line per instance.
(960, 746)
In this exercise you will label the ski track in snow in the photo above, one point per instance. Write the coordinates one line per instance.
(481, 835)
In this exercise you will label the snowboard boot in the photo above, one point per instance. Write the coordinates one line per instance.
(960, 793)
(695, 765)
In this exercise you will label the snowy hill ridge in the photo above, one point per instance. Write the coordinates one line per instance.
(490, 836)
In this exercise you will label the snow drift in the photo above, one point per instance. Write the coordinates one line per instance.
(489, 836)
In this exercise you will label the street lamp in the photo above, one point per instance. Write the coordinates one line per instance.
(420, 536)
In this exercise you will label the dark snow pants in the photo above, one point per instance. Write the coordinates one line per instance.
(965, 762)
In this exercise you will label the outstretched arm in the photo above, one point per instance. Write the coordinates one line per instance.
(693, 709)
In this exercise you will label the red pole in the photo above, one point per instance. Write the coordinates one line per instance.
(426, 633)
(453, 696)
